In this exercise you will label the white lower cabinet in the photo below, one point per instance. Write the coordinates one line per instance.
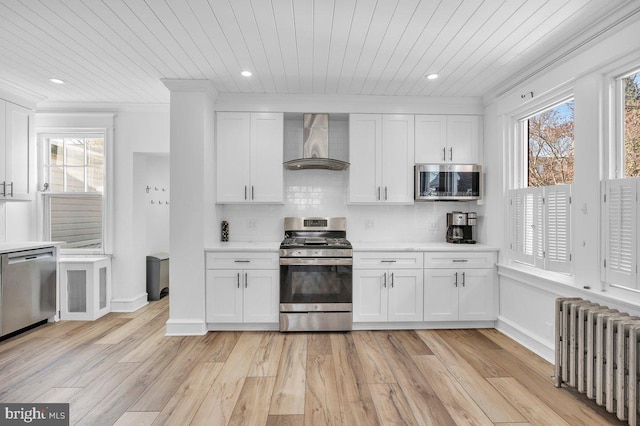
(460, 286)
(242, 295)
(459, 294)
(385, 290)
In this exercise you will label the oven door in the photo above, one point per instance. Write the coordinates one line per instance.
(316, 284)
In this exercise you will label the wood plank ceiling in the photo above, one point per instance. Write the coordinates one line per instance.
(118, 50)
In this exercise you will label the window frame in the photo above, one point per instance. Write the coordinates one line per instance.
(107, 194)
(618, 100)
(518, 180)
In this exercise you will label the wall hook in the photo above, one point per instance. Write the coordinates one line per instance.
(148, 188)
(153, 202)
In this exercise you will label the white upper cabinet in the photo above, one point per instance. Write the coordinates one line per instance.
(16, 128)
(249, 157)
(447, 139)
(382, 156)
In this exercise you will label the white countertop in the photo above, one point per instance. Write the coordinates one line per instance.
(25, 245)
(245, 246)
(357, 246)
(414, 246)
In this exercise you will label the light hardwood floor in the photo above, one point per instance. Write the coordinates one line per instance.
(122, 370)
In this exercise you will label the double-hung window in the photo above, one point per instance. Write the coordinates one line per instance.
(540, 212)
(72, 178)
(621, 192)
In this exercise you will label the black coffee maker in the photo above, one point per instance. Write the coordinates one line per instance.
(460, 227)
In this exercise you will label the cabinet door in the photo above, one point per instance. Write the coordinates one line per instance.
(19, 121)
(370, 295)
(267, 136)
(261, 296)
(476, 295)
(405, 295)
(440, 295)
(233, 138)
(430, 138)
(397, 158)
(462, 139)
(365, 155)
(223, 296)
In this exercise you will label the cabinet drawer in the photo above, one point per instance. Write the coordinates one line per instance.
(242, 260)
(387, 260)
(460, 259)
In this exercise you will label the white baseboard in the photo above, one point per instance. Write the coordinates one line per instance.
(186, 327)
(267, 326)
(422, 325)
(526, 339)
(129, 305)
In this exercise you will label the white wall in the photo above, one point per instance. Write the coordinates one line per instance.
(157, 202)
(192, 212)
(527, 298)
(136, 132)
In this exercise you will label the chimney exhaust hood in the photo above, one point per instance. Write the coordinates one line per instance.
(315, 146)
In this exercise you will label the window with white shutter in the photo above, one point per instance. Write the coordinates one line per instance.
(540, 227)
(621, 224)
(557, 206)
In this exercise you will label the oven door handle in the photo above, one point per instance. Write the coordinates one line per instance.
(322, 261)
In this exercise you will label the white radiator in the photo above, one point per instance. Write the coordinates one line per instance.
(597, 353)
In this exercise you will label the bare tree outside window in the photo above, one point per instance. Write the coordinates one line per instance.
(632, 125)
(551, 146)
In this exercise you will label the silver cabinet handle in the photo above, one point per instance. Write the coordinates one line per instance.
(456, 279)
(444, 154)
(451, 154)
(245, 192)
(378, 193)
(385, 193)
(460, 260)
(388, 261)
(252, 192)
(392, 279)
(238, 279)
(463, 279)
(11, 195)
(242, 261)
(384, 283)
(246, 280)
(4, 189)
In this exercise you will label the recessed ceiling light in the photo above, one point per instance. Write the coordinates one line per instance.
(432, 76)
(56, 81)
(246, 73)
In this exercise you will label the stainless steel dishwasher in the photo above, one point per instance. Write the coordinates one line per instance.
(27, 288)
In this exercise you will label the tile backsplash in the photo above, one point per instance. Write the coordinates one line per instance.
(324, 193)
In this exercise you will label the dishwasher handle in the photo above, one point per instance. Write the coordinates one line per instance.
(30, 256)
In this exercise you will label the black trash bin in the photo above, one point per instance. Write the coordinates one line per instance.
(157, 275)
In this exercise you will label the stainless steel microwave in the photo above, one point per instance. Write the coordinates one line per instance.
(448, 182)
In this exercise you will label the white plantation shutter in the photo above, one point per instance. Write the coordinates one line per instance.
(522, 235)
(557, 227)
(620, 234)
(538, 226)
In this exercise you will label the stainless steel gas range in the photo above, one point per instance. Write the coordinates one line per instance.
(316, 262)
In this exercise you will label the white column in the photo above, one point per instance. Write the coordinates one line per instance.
(191, 142)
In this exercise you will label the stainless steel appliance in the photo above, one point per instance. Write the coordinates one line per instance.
(448, 182)
(316, 288)
(27, 288)
(315, 146)
(460, 227)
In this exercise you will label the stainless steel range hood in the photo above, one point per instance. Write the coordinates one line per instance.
(315, 146)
